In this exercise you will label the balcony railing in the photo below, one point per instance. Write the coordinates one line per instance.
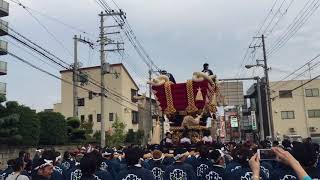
(4, 8)
(3, 88)
(3, 28)
(3, 47)
(3, 68)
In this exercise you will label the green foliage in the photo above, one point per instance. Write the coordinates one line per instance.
(78, 135)
(87, 126)
(19, 124)
(73, 122)
(117, 137)
(53, 128)
(76, 131)
(134, 137)
(29, 126)
(9, 130)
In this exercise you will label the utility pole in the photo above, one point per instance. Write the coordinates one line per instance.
(102, 59)
(269, 107)
(260, 110)
(76, 73)
(75, 78)
(104, 70)
(150, 94)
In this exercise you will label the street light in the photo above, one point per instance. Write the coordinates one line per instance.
(265, 67)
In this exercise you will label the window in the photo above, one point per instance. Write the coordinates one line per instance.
(314, 92)
(98, 117)
(287, 114)
(82, 118)
(110, 116)
(135, 117)
(285, 94)
(80, 101)
(315, 113)
(133, 94)
(90, 117)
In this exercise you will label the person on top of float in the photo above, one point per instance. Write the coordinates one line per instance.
(206, 69)
(169, 75)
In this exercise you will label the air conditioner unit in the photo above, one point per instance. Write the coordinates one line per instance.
(292, 130)
(312, 129)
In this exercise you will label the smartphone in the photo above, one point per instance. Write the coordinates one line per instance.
(266, 154)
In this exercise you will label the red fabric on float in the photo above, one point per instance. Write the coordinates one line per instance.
(179, 95)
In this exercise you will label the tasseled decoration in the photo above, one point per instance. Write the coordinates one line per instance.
(199, 96)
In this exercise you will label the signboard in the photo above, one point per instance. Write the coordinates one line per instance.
(234, 121)
(253, 120)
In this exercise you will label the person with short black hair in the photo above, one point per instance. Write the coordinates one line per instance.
(167, 141)
(307, 156)
(109, 164)
(179, 169)
(202, 163)
(134, 170)
(217, 170)
(67, 162)
(101, 173)
(17, 167)
(88, 166)
(169, 75)
(206, 69)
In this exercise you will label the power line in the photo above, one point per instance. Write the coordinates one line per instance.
(294, 72)
(297, 23)
(254, 41)
(46, 29)
(52, 75)
(54, 19)
(299, 86)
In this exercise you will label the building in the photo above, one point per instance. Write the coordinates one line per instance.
(4, 11)
(120, 103)
(233, 100)
(146, 124)
(255, 123)
(232, 93)
(296, 112)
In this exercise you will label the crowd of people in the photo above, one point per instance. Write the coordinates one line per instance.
(202, 161)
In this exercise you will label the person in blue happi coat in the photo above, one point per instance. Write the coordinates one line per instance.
(157, 165)
(202, 163)
(179, 169)
(134, 169)
(217, 170)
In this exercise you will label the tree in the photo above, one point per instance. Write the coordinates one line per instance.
(9, 131)
(19, 124)
(74, 133)
(117, 137)
(53, 128)
(29, 126)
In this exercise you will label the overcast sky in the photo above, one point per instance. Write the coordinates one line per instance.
(179, 35)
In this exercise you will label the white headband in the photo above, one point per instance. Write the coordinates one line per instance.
(46, 163)
(106, 154)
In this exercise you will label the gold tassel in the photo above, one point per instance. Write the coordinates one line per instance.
(199, 96)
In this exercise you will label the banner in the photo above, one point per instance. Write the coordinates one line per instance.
(234, 121)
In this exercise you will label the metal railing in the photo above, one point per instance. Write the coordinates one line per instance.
(3, 67)
(3, 88)
(4, 25)
(3, 46)
(4, 6)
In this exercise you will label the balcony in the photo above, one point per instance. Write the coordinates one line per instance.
(3, 28)
(3, 47)
(4, 8)
(3, 88)
(3, 68)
